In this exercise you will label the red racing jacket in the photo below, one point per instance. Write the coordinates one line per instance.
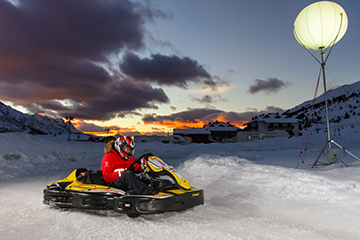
(113, 165)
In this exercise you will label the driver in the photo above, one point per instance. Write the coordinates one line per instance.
(117, 159)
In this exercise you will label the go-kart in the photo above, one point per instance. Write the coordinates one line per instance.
(86, 189)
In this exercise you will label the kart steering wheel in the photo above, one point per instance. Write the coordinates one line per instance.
(131, 167)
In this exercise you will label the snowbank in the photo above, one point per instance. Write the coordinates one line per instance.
(252, 190)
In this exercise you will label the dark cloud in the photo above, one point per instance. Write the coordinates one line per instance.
(201, 115)
(271, 85)
(89, 127)
(191, 115)
(273, 109)
(167, 70)
(54, 56)
(122, 98)
(105, 130)
(83, 29)
(61, 58)
(207, 99)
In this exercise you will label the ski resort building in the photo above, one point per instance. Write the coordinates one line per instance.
(212, 132)
(176, 139)
(260, 127)
(270, 126)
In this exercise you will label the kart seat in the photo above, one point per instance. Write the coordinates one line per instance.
(94, 177)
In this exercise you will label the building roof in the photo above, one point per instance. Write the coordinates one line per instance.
(220, 126)
(207, 129)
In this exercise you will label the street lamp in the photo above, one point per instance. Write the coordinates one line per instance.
(69, 118)
(107, 131)
(318, 27)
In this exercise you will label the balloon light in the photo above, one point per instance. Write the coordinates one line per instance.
(320, 25)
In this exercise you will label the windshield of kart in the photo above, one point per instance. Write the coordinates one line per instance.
(156, 167)
(143, 163)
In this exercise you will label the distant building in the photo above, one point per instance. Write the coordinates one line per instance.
(197, 135)
(270, 126)
(259, 127)
(212, 132)
(164, 139)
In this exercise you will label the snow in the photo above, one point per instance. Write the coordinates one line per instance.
(253, 190)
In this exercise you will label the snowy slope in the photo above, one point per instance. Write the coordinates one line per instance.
(343, 102)
(12, 120)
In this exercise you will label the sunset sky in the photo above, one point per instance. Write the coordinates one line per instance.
(147, 67)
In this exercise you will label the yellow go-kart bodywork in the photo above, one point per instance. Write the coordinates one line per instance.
(85, 189)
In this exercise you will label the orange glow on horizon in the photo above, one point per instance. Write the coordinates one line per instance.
(197, 124)
(239, 124)
(114, 132)
(104, 133)
(159, 128)
(177, 124)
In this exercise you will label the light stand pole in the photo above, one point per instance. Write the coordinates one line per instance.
(325, 95)
(331, 154)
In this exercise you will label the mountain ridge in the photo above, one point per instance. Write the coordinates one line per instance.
(343, 102)
(12, 120)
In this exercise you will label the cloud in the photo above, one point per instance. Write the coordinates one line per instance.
(199, 117)
(87, 29)
(184, 119)
(121, 98)
(273, 109)
(189, 115)
(167, 70)
(89, 127)
(62, 58)
(208, 100)
(104, 130)
(55, 57)
(271, 85)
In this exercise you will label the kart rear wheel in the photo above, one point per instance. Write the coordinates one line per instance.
(133, 215)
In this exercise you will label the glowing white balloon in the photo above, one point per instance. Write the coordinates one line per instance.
(320, 25)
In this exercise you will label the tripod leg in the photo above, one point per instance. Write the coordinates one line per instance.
(322, 151)
(343, 162)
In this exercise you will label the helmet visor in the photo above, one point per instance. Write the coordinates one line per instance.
(127, 149)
